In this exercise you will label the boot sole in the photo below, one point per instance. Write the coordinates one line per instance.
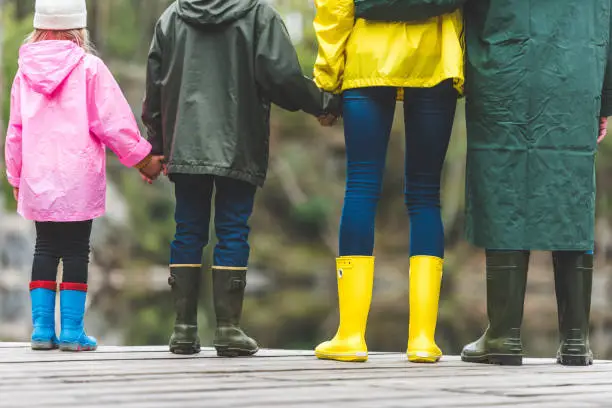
(75, 347)
(44, 346)
(575, 360)
(422, 358)
(347, 358)
(185, 348)
(226, 351)
(495, 359)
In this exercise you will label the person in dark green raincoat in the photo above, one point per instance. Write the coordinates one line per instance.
(538, 94)
(539, 91)
(214, 68)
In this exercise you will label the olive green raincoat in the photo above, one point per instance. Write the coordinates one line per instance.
(214, 68)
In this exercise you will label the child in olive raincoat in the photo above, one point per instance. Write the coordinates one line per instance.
(539, 91)
(214, 68)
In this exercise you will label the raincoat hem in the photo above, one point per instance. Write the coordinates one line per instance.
(52, 216)
(546, 248)
(404, 82)
(217, 171)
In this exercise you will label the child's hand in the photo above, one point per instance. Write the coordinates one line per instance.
(16, 193)
(327, 120)
(152, 170)
(603, 128)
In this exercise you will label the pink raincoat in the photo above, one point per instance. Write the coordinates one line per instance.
(65, 108)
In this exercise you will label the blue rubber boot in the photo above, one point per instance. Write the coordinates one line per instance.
(42, 294)
(72, 307)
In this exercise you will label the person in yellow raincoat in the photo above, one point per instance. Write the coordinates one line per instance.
(373, 65)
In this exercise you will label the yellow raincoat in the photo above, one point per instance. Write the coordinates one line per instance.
(354, 53)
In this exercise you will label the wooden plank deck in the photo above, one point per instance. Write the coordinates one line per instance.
(148, 377)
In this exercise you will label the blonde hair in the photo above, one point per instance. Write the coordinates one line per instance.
(78, 36)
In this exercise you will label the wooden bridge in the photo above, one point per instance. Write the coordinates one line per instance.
(147, 377)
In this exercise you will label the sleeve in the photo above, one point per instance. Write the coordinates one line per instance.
(112, 120)
(279, 74)
(333, 25)
(12, 144)
(151, 106)
(606, 94)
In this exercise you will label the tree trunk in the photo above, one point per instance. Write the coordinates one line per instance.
(22, 8)
(1, 70)
(94, 29)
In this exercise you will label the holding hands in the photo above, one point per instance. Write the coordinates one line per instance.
(151, 170)
(328, 120)
(332, 109)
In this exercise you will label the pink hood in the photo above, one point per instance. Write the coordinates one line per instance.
(45, 65)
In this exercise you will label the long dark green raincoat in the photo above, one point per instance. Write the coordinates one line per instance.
(538, 77)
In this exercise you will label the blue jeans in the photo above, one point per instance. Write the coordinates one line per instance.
(368, 116)
(233, 207)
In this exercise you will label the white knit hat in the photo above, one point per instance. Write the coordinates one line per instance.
(60, 14)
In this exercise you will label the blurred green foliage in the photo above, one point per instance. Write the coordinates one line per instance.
(15, 31)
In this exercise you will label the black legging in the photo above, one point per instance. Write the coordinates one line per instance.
(68, 241)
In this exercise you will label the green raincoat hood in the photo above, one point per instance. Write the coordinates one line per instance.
(213, 12)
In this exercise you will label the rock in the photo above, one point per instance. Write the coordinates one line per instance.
(17, 237)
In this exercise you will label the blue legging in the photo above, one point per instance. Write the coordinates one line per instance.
(368, 117)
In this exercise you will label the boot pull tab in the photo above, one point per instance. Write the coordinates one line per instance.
(342, 267)
(236, 284)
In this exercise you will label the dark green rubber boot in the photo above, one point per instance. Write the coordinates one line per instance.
(228, 291)
(185, 284)
(573, 283)
(506, 283)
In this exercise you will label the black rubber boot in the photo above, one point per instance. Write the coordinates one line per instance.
(228, 290)
(506, 284)
(185, 284)
(573, 283)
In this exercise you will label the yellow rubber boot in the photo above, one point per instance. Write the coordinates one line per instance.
(355, 280)
(425, 281)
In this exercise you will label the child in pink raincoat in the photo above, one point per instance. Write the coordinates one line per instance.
(65, 108)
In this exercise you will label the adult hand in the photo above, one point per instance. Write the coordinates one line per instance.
(16, 193)
(152, 170)
(327, 120)
(603, 128)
